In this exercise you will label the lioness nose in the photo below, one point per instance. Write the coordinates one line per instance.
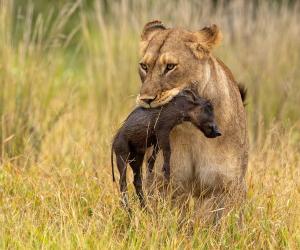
(148, 99)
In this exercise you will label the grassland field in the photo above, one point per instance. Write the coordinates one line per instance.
(68, 78)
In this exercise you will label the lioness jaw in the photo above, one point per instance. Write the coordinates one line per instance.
(160, 100)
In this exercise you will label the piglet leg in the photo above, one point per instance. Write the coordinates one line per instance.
(164, 144)
(152, 158)
(136, 165)
(122, 167)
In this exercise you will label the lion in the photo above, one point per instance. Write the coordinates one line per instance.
(172, 59)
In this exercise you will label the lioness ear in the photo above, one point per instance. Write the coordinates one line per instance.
(204, 41)
(151, 28)
(209, 37)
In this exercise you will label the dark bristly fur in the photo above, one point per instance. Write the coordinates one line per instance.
(151, 127)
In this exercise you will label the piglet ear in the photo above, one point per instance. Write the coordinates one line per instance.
(190, 94)
(194, 88)
(151, 28)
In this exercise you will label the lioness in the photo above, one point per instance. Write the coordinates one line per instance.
(171, 60)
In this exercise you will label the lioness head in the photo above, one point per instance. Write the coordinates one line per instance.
(172, 59)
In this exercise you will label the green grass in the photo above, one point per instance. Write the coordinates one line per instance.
(69, 78)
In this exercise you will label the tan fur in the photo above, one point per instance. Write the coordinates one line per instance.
(143, 47)
(167, 58)
(147, 58)
(209, 37)
(209, 163)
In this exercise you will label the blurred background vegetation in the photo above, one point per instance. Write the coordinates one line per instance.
(68, 77)
(94, 45)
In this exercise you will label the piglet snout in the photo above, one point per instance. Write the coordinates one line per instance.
(216, 131)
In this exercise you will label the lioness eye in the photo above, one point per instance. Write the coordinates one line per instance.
(144, 66)
(170, 66)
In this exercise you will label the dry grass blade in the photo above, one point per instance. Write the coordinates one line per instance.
(65, 198)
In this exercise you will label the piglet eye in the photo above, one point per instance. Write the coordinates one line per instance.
(144, 66)
(208, 108)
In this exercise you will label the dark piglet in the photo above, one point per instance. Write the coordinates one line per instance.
(151, 127)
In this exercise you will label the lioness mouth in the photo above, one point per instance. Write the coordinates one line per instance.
(161, 99)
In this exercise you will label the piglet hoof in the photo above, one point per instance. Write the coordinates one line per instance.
(124, 204)
(142, 202)
(127, 209)
(145, 209)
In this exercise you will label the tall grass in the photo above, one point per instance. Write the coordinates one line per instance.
(67, 80)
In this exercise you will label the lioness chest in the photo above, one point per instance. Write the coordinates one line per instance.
(197, 159)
